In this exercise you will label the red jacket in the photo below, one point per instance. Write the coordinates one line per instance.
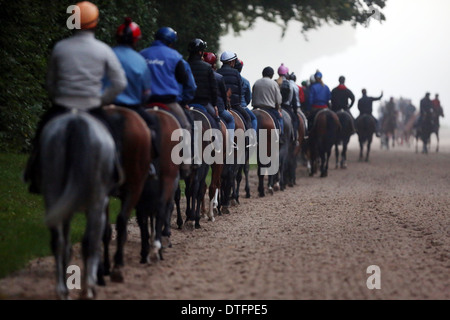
(301, 94)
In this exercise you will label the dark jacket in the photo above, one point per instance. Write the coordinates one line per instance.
(233, 81)
(340, 96)
(205, 80)
(221, 92)
(365, 104)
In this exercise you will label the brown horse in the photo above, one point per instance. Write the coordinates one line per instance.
(265, 122)
(216, 174)
(135, 158)
(294, 152)
(157, 199)
(230, 170)
(324, 133)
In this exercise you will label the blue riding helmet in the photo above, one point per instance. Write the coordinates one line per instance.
(318, 75)
(166, 35)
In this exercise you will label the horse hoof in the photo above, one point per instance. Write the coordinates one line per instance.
(247, 196)
(225, 210)
(155, 256)
(323, 175)
(117, 276)
(215, 211)
(88, 294)
(276, 186)
(271, 191)
(198, 226)
(189, 225)
(101, 281)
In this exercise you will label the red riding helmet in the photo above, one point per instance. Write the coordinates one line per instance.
(129, 32)
(210, 58)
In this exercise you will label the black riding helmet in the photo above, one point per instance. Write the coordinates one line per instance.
(197, 45)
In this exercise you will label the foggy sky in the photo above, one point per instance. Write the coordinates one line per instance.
(405, 56)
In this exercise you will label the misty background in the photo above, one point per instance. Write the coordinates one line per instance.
(404, 56)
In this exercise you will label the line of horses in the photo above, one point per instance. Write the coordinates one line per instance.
(82, 169)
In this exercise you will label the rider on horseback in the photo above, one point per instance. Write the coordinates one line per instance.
(426, 108)
(267, 96)
(319, 98)
(206, 93)
(365, 107)
(233, 81)
(167, 72)
(224, 114)
(137, 91)
(340, 97)
(246, 98)
(74, 81)
(288, 97)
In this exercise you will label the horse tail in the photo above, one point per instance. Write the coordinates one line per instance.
(74, 170)
(333, 125)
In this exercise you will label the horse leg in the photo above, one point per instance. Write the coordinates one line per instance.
(344, 155)
(121, 228)
(104, 268)
(260, 182)
(178, 208)
(437, 145)
(323, 164)
(336, 152)
(368, 149)
(58, 246)
(91, 247)
(238, 184)
(247, 184)
(361, 149)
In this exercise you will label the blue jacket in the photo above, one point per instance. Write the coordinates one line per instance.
(138, 77)
(246, 93)
(319, 95)
(162, 62)
(187, 92)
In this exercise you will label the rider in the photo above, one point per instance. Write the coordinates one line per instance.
(437, 108)
(167, 72)
(426, 107)
(74, 81)
(365, 107)
(206, 93)
(339, 99)
(224, 114)
(319, 97)
(233, 81)
(246, 98)
(267, 96)
(288, 97)
(137, 91)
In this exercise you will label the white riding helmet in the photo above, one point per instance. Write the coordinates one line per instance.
(228, 56)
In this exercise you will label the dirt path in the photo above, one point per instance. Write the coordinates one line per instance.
(312, 241)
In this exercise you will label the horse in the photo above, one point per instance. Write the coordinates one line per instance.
(230, 169)
(436, 114)
(366, 127)
(242, 166)
(195, 189)
(424, 130)
(79, 169)
(294, 151)
(287, 143)
(323, 137)
(216, 174)
(265, 157)
(388, 129)
(136, 150)
(343, 137)
(156, 203)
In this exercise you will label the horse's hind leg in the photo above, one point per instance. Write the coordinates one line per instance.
(142, 219)
(336, 152)
(178, 208)
(58, 249)
(437, 145)
(91, 247)
(247, 184)
(368, 150)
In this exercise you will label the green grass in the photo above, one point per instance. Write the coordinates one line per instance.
(23, 235)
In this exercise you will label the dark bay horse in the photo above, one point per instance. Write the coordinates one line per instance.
(343, 137)
(242, 165)
(231, 168)
(136, 149)
(195, 182)
(323, 137)
(294, 152)
(365, 126)
(267, 153)
(287, 144)
(388, 130)
(156, 203)
(79, 169)
(424, 130)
